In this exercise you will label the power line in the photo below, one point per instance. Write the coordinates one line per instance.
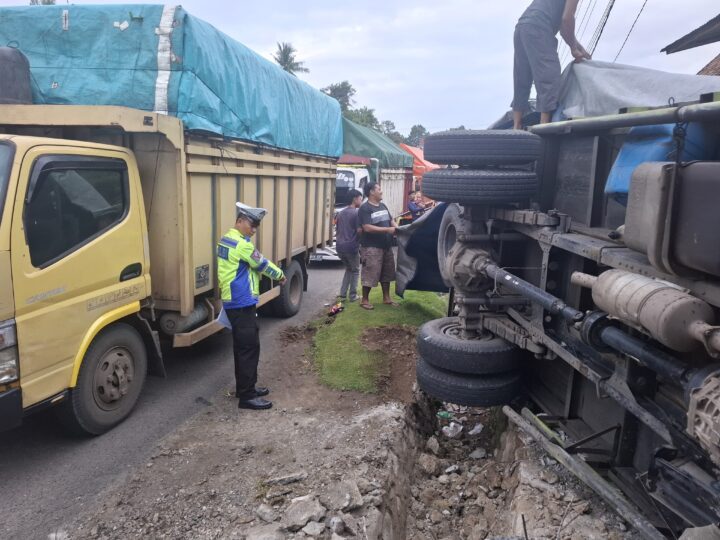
(582, 27)
(600, 27)
(585, 13)
(565, 48)
(631, 29)
(581, 34)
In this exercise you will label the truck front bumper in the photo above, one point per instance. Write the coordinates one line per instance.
(11, 411)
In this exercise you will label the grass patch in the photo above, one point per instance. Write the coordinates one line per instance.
(343, 362)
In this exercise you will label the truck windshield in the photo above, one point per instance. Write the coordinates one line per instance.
(6, 155)
(344, 179)
(344, 182)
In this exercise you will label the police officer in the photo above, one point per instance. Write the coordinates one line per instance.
(239, 269)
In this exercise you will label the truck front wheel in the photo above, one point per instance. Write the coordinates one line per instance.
(109, 383)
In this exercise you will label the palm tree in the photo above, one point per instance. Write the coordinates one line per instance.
(285, 57)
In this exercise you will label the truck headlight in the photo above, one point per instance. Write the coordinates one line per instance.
(9, 368)
(8, 365)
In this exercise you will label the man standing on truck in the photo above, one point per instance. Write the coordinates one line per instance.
(378, 261)
(347, 243)
(536, 56)
(239, 268)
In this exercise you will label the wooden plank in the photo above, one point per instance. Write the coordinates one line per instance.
(269, 295)
(230, 155)
(220, 169)
(276, 221)
(290, 217)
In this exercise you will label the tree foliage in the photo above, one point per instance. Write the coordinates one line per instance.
(363, 116)
(343, 92)
(286, 59)
(417, 135)
(388, 128)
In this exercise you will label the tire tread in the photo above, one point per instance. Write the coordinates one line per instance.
(473, 391)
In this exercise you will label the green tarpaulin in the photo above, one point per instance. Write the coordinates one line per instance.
(364, 141)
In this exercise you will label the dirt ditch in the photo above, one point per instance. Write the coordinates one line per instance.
(329, 464)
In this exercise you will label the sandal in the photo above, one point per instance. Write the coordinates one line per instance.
(367, 306)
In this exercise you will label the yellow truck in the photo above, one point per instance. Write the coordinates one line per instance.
(109, 218)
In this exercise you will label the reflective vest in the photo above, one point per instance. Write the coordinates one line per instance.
(239, 268)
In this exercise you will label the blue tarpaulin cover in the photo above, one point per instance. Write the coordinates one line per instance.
(160, 58)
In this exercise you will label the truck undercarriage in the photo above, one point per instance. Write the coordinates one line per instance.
(611, 295)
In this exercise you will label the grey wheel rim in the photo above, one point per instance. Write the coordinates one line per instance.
(113, 378)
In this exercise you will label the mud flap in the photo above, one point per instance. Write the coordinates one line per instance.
(151, 338)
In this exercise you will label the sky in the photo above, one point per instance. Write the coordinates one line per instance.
(441, 63)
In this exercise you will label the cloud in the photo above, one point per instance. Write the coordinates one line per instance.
(440, 63)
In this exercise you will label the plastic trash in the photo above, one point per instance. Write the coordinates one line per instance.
(453, 430)
(477, 430)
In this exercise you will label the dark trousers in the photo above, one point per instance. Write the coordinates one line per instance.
(246, 349)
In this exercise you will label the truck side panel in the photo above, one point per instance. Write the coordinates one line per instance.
(296, 189)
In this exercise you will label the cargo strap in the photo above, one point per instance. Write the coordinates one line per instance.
(164, 58)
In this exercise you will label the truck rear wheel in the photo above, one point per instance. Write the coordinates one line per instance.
(471, 187)
(440, 344)
(451, 226)
(290, 299)
(111, 378)
(477, 148)
(470, 390)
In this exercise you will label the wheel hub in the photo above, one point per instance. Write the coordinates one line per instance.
(295, 289)
(113, 376)
(457, 331)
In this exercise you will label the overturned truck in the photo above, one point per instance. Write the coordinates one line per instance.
(584, 263)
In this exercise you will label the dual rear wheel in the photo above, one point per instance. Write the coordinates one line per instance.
(491, 167)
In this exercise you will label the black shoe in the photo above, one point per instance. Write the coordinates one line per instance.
(255, 404)
(261, 391)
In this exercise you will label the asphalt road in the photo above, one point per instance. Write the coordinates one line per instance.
(48, 476)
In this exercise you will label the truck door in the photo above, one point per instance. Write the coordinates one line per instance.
(77, 250)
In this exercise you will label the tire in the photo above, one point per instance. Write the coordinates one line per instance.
(475, 148)
(290, 299)
(99, 402)
(439, 344)
(451, 226)
(471, 187)
(470, 390)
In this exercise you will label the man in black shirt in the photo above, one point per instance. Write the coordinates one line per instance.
(378, 261)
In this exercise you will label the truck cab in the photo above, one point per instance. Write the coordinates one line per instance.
(73, 259)
(347, 179)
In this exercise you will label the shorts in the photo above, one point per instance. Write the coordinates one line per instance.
(378, 265)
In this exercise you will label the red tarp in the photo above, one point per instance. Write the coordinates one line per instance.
(420, 165)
